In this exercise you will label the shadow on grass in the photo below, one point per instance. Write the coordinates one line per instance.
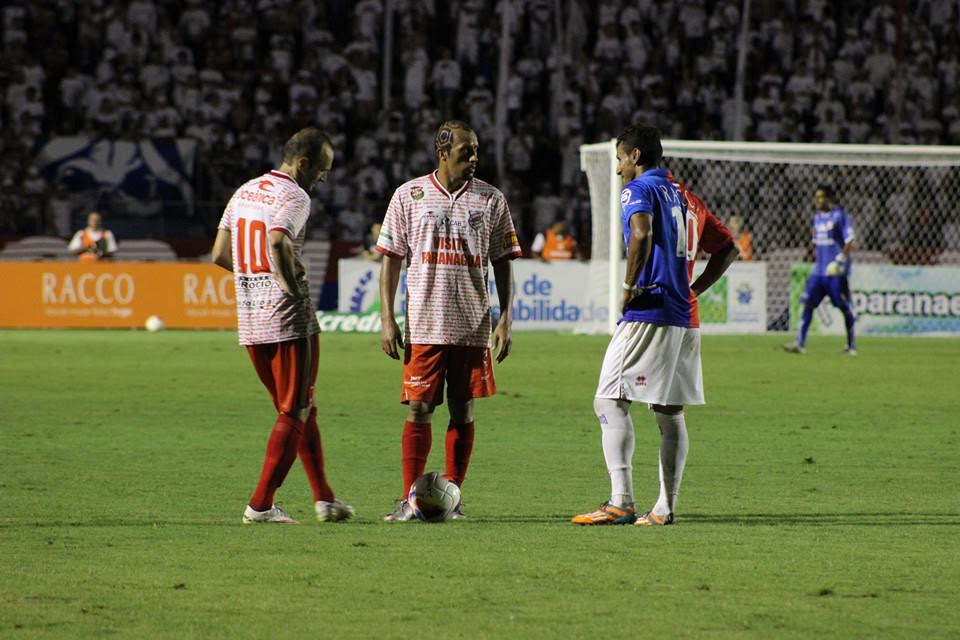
(891, 519)
(761, 519)
(360, 522)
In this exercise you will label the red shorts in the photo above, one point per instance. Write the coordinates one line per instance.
(288, 370)
(466, 370)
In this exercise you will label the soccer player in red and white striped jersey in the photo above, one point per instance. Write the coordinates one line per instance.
(260, 239)
(448, 227)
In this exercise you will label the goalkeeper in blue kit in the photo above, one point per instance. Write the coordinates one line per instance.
(833, 241)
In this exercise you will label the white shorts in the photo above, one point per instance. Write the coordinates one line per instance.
(652, 363)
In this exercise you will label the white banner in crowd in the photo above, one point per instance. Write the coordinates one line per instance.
(888, 299)
(555, 296)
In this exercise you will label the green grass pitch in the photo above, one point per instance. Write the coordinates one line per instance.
(821, 498)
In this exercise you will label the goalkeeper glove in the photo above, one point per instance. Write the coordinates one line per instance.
(838, 266)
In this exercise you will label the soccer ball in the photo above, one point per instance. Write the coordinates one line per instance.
(154, 324)
(433, 498)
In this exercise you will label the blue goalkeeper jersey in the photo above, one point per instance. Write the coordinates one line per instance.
(670, 300)
(831, 230)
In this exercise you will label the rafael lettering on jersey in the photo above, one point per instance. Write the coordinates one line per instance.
(684, 222)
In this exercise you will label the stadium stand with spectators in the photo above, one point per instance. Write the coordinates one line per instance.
(234, 78)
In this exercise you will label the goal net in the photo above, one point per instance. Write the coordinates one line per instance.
(904, 202)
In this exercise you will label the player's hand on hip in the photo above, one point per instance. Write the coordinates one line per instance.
(303, 288)
(502, 341)
(298, 294)
(391, 341)
(628, 295)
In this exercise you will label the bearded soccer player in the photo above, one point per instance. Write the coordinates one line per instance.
(833, 239)
(447, 227)
(654, 355)
(260, 240)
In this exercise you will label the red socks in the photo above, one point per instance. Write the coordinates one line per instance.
(417, 438)
(281, 452)
(415, 446)
(311, 455)
(459, 447)
(291, 436)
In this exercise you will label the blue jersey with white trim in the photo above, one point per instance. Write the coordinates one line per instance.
(831, 230)
(668, 299)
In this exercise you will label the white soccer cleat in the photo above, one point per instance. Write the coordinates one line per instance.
(849, 351)
(793, 347)
(273, 515)
(402, 513)
(335, 511)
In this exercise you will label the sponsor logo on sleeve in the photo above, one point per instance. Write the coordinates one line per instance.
(625, 197)
(416, 192)
(510, 241)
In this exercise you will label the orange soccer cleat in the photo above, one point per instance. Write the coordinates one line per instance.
(650, 519)
(607, 514)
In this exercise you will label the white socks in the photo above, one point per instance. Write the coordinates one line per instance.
(618, 443)
(673, 456)
(618, 440)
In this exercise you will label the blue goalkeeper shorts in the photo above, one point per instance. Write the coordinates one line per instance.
(820, 287)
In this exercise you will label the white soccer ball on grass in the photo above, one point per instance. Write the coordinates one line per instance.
(433, 498)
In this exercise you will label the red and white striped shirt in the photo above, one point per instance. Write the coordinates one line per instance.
(265, 314)
(448, 241)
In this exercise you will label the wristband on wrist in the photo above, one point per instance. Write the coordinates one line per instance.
(628, 287)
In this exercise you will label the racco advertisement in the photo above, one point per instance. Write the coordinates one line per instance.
(116, 295)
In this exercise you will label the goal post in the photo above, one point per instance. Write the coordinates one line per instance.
(904, 202)
(599, 162)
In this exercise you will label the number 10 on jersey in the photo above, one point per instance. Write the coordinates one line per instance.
(252, 256)
(687, 239)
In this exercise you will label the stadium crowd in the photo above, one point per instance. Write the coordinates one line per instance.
(238, 76)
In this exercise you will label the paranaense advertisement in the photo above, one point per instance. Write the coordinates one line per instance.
(887, 299)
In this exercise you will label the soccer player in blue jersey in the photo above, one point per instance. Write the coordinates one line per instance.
(654, 355)
(833, 240)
